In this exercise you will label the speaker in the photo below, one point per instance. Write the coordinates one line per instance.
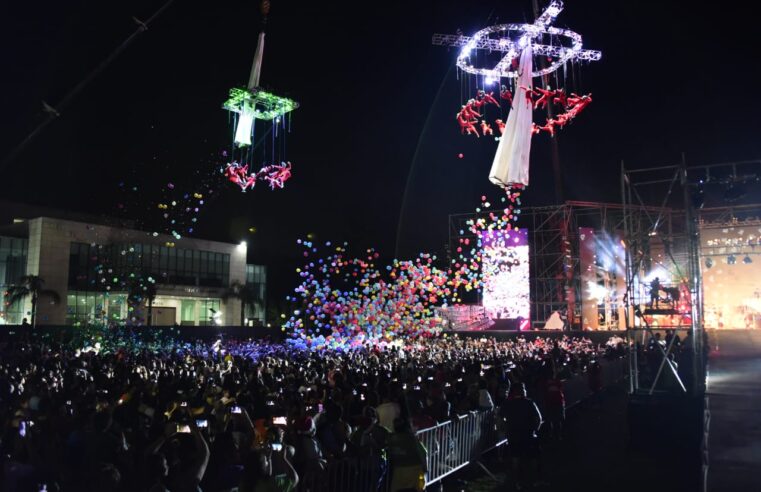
(509, 324)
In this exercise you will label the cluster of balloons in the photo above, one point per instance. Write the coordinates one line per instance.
(344, 301)
(467, 264)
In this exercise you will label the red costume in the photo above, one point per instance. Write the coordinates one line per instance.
(545, 97)
(486, 129)
(500, 125)
(468, 112)
(560, 98)
(562, 119)
(278, 175)
(506, 95)
(529, 95)
(466, 126)
(577, 103)
(488, 98)
(232, 172)
(549, 127)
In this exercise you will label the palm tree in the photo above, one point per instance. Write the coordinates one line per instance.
(138, 291)
(246, 293)
(31, 285)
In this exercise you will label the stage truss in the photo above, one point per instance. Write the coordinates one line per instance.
(668, 236)
(554, 249)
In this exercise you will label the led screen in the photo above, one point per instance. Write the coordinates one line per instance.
(505, 273)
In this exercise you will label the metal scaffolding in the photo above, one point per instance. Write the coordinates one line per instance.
(554, 252)
(669, 235)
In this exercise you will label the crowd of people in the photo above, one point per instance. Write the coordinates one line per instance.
(121, 415)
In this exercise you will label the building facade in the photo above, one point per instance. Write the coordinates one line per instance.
(92, 266)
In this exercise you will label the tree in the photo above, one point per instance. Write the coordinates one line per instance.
(246, 293)
(140, 290)
(31, 285)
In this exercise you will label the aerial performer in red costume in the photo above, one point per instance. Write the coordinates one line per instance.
(251, 104)
(526, 53)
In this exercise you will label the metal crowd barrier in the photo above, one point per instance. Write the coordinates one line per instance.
(450, 445)
(456, 444)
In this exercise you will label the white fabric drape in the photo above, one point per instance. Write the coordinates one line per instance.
(511, 162)
(256, 68)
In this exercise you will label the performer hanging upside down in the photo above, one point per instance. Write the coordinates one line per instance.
(250, 182)
(466, 125)
(562, 119)
(576, 103)
(529, 95)
(468, 112)
(487, 98)
(486, 128)
(546, 96)
(560, 97)
(500, 125)
(506, 95)
(549, 127)
(278, 175)
(232, 173)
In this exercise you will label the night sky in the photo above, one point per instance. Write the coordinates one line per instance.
(374, 145)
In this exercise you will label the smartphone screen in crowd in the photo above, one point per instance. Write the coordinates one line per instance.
(183, 428)
(202, 423)
(279, 421)
(276, 446)
(235, 409)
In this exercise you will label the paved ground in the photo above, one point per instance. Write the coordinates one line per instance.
(734, 401)
(597, 454)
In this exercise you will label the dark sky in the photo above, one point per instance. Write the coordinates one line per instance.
(376, 121)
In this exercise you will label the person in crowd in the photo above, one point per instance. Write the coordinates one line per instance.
(310, 460)
(485, 401)
(522, 421)
(125, 409)
(388, 410)
(408, 457)
(554, 405)
(259, 474)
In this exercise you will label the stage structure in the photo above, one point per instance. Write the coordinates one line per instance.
(664, 277)
(559, 276)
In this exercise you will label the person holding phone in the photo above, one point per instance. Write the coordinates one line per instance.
(184, 471)
(269, 469)
(333, 432)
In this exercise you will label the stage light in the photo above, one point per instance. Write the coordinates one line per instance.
(709, 262)
(747, 260)
(731, 260)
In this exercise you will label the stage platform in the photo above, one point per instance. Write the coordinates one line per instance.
(598, 336)
(661, 312)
